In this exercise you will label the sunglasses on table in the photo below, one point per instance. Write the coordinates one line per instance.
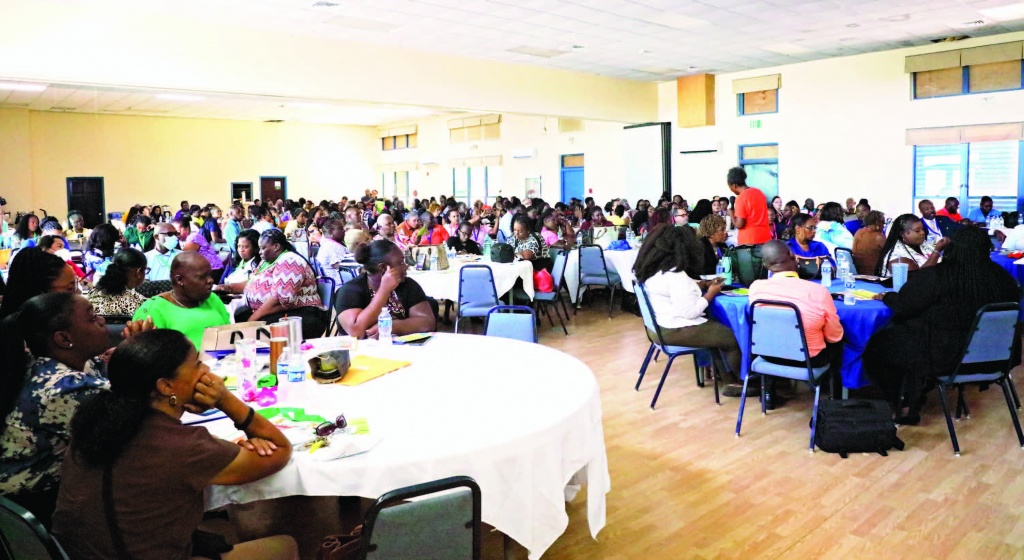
(328, 428)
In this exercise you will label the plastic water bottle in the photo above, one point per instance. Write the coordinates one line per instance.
(630, 237)
(849, 285)
(296, 368)
(726, 272)
(826, 273)
(433, 261)
(450, 253)
(283, 363)
(384, 327)
(488, 242)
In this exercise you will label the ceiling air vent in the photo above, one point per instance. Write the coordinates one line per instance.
(973, 23)
(323, 4)
(275, 121)
(952, 39)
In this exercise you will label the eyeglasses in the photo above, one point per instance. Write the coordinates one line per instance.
(811, 228)
(683, 215)
(328, 428)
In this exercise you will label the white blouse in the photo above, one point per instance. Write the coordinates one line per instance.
(676, 299)
(901, 251)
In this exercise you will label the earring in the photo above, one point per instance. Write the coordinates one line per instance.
(173, 401)
(71, 345)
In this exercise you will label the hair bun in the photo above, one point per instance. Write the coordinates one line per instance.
(362, 253)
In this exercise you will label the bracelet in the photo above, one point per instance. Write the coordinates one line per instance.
(248, 420)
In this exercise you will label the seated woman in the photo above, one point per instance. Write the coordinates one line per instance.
(555, 230)
(99, 250)
(712, 236)
(33, 272)
(190, 306)
(192, 240)
(699, 212)
(247, 247)
(452, 221)
(665, 265)
(131, 448)
(383, 284)
(868, 242)
(115, 293)
(618, 217)
(528, 246)
(462, 243)
(430, 232)
(26, 230)
(932, 314)
(801, 239)
(908, 243)
(141, 233)
(283, 285)
(832, 228)
(55, 246)
(41, 389)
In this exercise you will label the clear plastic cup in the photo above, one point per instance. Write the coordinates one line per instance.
(899, 275)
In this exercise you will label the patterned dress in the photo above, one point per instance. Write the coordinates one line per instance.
(38, 428)
(290, 278)
(125, 303)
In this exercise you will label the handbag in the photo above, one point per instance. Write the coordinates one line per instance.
(809, 268)
(543, 281)
(502, 253)
(856, 426)
(223, 337)
(341, 547)
(421, 257)
(746, 263)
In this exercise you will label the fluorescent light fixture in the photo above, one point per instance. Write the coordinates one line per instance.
(179, 97)
(674, 20)
(786, 48)
(1005, 13)
(21, 86)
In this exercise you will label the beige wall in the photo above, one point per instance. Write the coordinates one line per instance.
(164, 160)
(80, 43)
(600, 142)
(840, 128)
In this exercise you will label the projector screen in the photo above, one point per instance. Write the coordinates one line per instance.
(648, 162)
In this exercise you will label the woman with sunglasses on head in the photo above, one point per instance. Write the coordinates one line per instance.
(134, 476)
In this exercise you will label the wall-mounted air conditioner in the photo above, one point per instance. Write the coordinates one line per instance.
(526, 153)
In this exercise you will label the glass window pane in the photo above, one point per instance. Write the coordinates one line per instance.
(936, 83)
(477, 185)
(493, 183)
(993, 169)
(413, 186)
(938, 173)
(460, 183)
(764, 176)
(755, 102)
(997, 76)
(388, 183)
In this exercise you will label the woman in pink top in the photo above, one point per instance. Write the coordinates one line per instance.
(193, 240)
(452, 221)
(556, 231)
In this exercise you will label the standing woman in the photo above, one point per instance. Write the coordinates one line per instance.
(906, 244)
(135, 475)
(283, 285)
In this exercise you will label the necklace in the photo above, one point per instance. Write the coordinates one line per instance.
(179, 302)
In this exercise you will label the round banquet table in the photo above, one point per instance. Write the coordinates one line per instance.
(1009, 263)
(860, 322)
(620, 262)
(521, 431)
(444, 284)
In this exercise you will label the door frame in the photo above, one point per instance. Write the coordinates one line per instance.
(284, 185)
(103, 195)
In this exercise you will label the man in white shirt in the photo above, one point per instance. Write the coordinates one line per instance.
(332, 251)
(166, 248)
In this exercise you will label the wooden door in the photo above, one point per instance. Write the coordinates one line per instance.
(85, 194)
(273, 188)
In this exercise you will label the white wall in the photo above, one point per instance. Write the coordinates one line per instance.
(600, 142)
(840, 128)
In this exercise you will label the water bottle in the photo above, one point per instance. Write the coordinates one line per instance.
(726, 264)
(826, 273)
(384, 327)
(433, 261)
(849, 285)
(630, 237)
(488, 242)
(296, 368)
(450, 253)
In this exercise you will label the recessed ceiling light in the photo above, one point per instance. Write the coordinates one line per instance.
(896, 19)
(18, 86)
(179, 97)
(675, 21)
(1005, 13)
(852, 25)
(786, 48)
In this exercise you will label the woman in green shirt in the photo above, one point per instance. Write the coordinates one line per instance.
(140, 233)
(190, 306)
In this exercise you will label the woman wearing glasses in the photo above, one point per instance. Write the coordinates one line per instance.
(801, 241)
(115, 293)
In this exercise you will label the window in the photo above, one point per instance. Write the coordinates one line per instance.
(399, 142)
(759, 102)
(959, 77)
(939, 83)
(761, 162)
(969, 171)
(398, 183)
(480, 182)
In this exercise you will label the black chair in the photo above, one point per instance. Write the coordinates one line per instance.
(115, 326)
(150, 288)
(22, 537)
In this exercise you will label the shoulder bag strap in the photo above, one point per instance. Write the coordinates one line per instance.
(108, 510)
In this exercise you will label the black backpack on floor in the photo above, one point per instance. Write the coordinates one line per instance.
(856, 426)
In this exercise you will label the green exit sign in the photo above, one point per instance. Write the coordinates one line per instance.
(756, 123)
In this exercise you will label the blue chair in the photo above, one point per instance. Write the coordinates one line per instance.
(228, 269)
(501, 237)
(777, 331)
(989, 344)
(594, 272)
(658, 343)
(844, 255)
(512, 321)
(444, 522)
(22, 536)
(544, 301)
(477, 294)
(325, 287)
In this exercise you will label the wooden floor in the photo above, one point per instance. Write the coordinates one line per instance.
(684, 487)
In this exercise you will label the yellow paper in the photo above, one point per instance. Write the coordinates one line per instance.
(365, 368)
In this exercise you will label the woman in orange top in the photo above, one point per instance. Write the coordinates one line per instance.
(431, 233)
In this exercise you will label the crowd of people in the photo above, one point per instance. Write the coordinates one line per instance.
(75, 412)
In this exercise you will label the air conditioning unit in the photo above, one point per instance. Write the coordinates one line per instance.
(524, 153)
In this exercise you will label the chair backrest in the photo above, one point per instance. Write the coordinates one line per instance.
(347, 274)
(325, 287)
(844, 255)
(444, 525)
(476, 285)
(777, 331)
(150, 288)
(228, 269)
(512, 321)
(647, 313)
(592, 261)
(558, 269)
(115, 326)
(991, 336)
(501, 237)
(22, 537)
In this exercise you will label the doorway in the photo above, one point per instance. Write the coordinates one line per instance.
(572, 177)
(273, 188)
(240, 191)
(85, 194)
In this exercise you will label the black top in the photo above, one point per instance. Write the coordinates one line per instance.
(355, 294)
(931, 326)
(470, 246)
(711, 257)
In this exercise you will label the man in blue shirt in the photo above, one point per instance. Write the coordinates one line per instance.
(981, 214)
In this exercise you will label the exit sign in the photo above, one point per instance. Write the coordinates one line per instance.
(756, 123)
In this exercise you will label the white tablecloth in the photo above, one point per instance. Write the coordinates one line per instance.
(444, 284)
(617, 261)
(521, 432)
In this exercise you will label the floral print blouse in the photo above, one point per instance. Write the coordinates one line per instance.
(38, 429)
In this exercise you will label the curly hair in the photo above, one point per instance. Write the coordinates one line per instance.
(669, 249)
(710, 225)
(874, 217)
